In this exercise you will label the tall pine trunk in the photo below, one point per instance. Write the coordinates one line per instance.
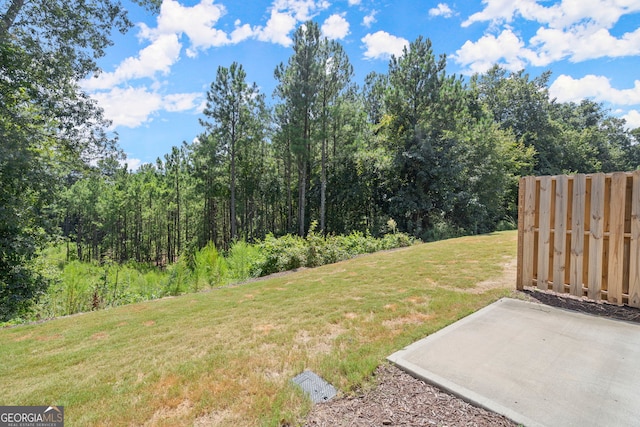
(287, 175)
(302, 184)
(323, 172)
(232, 204)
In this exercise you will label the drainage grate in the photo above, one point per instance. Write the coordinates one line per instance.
(318, 389)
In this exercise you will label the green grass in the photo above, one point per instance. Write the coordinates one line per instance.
(226, 357)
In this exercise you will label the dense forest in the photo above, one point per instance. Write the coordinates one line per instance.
(430, 153)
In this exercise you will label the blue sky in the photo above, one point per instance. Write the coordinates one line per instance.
(155, 78)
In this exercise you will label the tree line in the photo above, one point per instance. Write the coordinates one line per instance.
(438, 154)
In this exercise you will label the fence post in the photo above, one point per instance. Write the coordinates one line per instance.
(520, 260)
(634, 257)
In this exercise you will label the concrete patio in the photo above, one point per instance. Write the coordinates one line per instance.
(536, 364)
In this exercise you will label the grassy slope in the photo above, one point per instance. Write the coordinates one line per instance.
(226, 357)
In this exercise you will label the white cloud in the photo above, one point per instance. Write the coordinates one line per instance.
(381, 45)
(181, 101)
(200, 107)
(335, 27)
(132, 107)
(567, 89)
(495, 10)
(196, 22)
(174, 20)
(132, 163)
(159, 56)
(633, 119)
(241, 33)
(573, 30)
(598, 88)
(604, 13)
(370, 19)
(128, 107)
(582, 43)
(277, 29)
(301, 10)
(507, 50)
(442, 9)
(285, 14)
(354, 2)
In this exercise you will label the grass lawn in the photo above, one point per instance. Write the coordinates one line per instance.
(226, 357)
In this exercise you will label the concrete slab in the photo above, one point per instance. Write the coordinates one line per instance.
(537, 365)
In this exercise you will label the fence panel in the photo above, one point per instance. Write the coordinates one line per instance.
(581, 234)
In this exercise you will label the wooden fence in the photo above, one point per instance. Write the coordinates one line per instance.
(580, 234)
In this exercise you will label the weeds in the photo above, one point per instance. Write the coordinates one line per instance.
(79, 287)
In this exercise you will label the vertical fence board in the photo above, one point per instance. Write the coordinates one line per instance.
(616, 237)
(560, 233)
(634, 257)
(529, 210)
(577, 235)
(596, 236)
(544, 232)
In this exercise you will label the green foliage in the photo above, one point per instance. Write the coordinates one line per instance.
(396, 240)
(443, 229)
(77, 286)
(29, 179)
(209, 267)
(437, 153)
(47, 124)
(85, 286)
(280, 254)
(240, 259)
(290, 252)
(176, 282)
(19, 286)
(565, 137)
(234, 110)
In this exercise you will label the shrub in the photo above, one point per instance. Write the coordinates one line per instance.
(178, 275)
(280, 254)
(507, 224)
(289, 252)
(240, 260)
(397, 240)
(209, 267)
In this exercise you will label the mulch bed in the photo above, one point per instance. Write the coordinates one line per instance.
(398, 399)
(583, 305)
(401, 400)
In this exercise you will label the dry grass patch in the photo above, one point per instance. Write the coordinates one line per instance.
(226, 357)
